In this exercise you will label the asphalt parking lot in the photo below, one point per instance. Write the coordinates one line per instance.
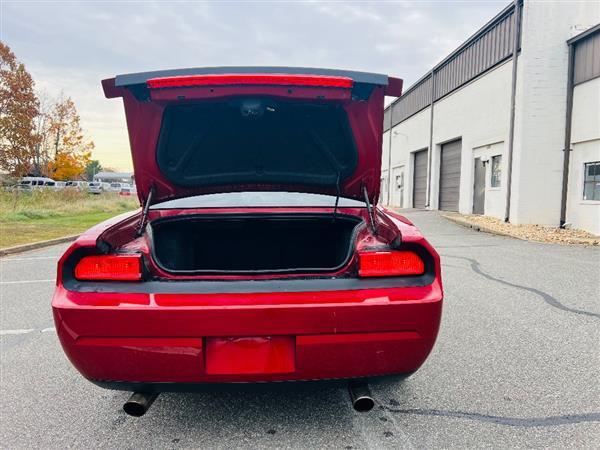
(517, 364)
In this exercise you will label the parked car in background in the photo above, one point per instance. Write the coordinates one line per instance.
(60, 185)
(79, 185)
(126, 191)
(97, 187)
(116, 187)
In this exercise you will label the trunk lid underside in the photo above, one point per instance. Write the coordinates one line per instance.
(198, 131)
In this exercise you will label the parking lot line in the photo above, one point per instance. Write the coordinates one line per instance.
(13, 332)
(26, 331)
(28, 259)
(27, 281)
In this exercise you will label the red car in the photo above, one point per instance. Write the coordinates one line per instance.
(288, 270)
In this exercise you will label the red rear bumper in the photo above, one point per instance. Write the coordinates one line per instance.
(242, 337)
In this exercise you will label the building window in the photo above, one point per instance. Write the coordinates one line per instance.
(496, 171)
(591, 182)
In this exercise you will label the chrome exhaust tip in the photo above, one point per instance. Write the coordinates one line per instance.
(360, 396)
(139, 403)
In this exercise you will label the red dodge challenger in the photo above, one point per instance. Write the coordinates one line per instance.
(259, 253)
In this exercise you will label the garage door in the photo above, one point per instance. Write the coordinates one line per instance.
(450, 176)
(420, 180)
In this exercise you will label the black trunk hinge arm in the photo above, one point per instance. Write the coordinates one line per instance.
(145, 209)
(369, 210)
(338, 192)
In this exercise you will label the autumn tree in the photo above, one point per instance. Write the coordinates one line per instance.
(18, 110)
(69, 166)
(71, 150)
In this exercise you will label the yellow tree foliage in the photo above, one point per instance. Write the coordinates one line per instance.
(69, 166)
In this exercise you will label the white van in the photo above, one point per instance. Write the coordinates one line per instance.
(116, 187)
(29, 183)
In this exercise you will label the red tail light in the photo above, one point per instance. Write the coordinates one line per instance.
(389, 264)
(251, 79)
(109, 267)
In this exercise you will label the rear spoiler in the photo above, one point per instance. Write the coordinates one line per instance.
(113, 87)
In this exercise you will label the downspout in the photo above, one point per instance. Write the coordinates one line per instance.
(513, 94)
(430, 152)
(567, 147)
(389, 180)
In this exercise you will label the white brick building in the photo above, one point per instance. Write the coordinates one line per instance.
(487, 111)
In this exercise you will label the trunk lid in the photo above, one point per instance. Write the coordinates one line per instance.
(213, 130)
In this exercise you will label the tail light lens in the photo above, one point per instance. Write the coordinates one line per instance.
(109, 267)
(390, 264)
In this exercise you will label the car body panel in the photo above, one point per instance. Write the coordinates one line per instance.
(159, 332)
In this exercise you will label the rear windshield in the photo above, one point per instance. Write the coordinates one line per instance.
(258, 199)
(256, 141)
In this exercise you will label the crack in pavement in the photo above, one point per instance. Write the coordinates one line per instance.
(550, 421)
(550, 300)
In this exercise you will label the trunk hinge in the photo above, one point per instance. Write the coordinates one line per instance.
(369, 210)
(145, 209)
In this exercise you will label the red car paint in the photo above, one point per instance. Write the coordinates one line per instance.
(173, 328)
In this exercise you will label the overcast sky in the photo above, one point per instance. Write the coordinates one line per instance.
(71, 46)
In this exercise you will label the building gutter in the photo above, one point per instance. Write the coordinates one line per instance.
(513, 94)
(567, 145)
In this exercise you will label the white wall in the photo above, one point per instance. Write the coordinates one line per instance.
(541, 106)
(385, 146)
(478, 114)
(585, 143)
(586, 111)
(408, 137)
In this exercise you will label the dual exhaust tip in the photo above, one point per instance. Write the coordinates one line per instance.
(360, 396)
(139, 403)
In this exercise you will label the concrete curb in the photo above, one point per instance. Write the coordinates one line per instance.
(35, 245)
(465, 223)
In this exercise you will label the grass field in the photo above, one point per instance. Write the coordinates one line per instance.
(27, 217)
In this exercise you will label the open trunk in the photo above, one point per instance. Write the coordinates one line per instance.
(240, 129)
(257, 243)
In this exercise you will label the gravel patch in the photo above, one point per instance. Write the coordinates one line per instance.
(536, 233)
